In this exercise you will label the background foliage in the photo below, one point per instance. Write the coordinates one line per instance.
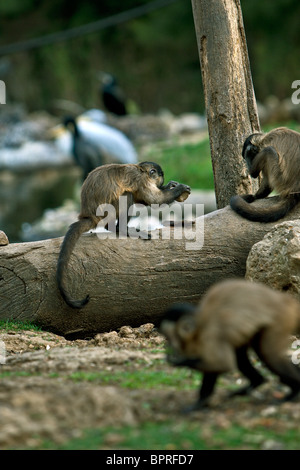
(155, 57)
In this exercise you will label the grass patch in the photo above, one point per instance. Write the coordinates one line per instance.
(191, 163)
(180, 436)
(142, 379)
(188, 163)
(15, 325)
(18, 373)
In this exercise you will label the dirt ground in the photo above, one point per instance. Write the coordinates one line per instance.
(38, 400)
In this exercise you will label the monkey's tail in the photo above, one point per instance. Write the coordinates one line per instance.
(261, 214)
(71, 237)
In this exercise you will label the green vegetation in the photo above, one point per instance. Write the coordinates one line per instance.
(142, 379)
(15, 325)
(190, 163)
(19, 373)
(211, 430)
(184, 435)
(155, 56)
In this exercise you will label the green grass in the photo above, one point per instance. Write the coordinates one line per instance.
(177, 378)
(142, 379)
(18, 373)
(191, 163)
(15, 325)
(178, 431)
(188, 163)
(183, 435)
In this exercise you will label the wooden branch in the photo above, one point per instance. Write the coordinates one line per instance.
(229, 96)
(130, 282)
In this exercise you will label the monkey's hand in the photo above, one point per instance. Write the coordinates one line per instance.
(182, 189)
(185, 193)
(170, 185)
(174, 191)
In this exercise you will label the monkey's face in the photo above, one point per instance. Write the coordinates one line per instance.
(249, 149)
(249, 152)
(179, 327)
(154, 172)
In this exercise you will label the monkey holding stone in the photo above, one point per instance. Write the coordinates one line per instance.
(233, 316)
(276, 155)
(141, 183)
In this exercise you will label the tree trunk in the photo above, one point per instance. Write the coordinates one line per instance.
(229, 95)
(130, 282)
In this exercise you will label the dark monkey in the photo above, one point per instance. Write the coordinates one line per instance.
(277, 156)
(234, 315)
(141, 183)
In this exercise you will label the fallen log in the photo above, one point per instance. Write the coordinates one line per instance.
(130, 281)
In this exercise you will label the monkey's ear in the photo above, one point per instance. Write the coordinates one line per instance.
(186, 326)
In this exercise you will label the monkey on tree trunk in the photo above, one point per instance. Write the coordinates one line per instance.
(234, 315)
(276, 155)
(140, 183)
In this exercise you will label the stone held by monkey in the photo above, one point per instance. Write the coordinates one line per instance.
(183, 196)
(140, 183)
(276, 155)
(233, 316)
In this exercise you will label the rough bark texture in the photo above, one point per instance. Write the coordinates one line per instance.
(130, 282)
(228, 90)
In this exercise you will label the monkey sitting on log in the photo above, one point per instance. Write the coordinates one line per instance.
(276, 155)
(140, 183)
(234, 315)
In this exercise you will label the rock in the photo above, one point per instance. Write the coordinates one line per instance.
(188, 123)
(24, 196)
(272, 444)
(32, 156)
(151, 128)
(53, 223)
(273, 110)
(275, 260)
(140, 129)
(3, 239)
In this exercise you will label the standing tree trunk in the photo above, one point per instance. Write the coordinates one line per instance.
(229, 95)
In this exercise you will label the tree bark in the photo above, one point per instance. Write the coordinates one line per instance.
(130, 282)
(228, 90)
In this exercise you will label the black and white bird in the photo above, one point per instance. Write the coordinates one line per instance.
(86, 153)
(92, 142)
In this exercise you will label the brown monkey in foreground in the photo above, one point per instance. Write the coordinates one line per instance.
(234, 315)
(277, 156)
(141, 183)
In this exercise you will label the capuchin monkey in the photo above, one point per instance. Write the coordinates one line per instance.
(141, 183)
(276, 155)
(234, 315)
